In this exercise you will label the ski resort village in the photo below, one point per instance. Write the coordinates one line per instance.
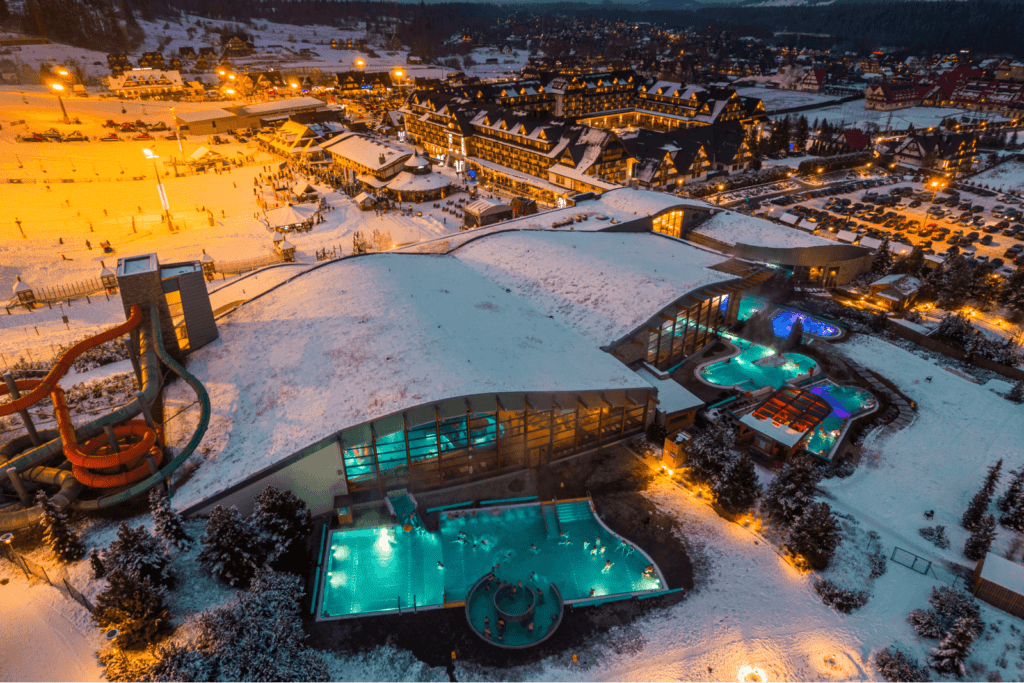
(715, 374)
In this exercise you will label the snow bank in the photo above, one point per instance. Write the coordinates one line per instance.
(736, 228)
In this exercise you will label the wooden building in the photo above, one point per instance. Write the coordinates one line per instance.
(1000, 583)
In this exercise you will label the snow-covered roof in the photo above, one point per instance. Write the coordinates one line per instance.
(290, 215)
(782, 434)
(362, 197)
(575, 174)
(365, 151)
(647, 203)
(20, 286)
(410, 182)
(204, 115)
(672, 396)
(602, 284)
(368, 337)
(1003, 572)
(283, 105)
(485, 206)
(737, 228)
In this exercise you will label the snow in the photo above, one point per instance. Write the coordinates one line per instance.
(784, 99)
(647, 203)
(1008, 177)
(938, 462)
(672, 396)
(737, 228)
(603, 285)
(365, 151)
(783, 434)
(366, 337)
(1003, 572)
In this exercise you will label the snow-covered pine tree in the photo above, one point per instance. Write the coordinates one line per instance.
(1005, 501)
(792, 490)
(231, 549)
(711, 451)
(952, 604)
(134, 605)
(926, 623)
(815, 536)
(57, 533)
(884, 259)
(256, 637)
(896, 665)
(979, 504)
(740, 487)
(980, 541)
(281, 521)
(167, 524)
(96, 563)
(1013, 519)
(136, 550)
(955, 647)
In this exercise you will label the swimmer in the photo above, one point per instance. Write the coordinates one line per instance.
(439, 565)
(533, 547)
(586, 544)
(592, 591)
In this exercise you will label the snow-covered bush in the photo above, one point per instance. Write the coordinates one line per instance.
(739, 487)
(791, 491)
(167, 524)
(896, 665)
(951, 655)
(815, 535)
(710, 452)
(257, 637)
(841, 599)
(231, 548)
(282, 522)
(948, 605)
(926, 623)
(136, 550)
(134, 605)
(935, 534)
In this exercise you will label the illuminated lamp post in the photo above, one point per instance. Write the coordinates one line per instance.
(177, 134)
(59, 88)
(159, 186)
(398, 73)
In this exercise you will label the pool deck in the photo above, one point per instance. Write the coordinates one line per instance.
(381, 570)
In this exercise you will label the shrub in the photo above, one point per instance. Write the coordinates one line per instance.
(841, 599)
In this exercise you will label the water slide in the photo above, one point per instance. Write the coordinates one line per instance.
(128, 469)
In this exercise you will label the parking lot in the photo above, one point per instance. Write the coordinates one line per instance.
(986, 226)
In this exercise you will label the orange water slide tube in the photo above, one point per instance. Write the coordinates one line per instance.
(38, 388)
(97, 454)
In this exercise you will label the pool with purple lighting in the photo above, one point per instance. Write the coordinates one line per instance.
(847, 403)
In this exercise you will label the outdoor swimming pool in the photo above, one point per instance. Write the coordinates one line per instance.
(782, 321)
(385, 569)
(846, 402)
(756, 367)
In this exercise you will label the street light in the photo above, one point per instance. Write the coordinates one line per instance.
(360, 63)
(159, 186)
(59, 88)
(398, 74)
(177, 134)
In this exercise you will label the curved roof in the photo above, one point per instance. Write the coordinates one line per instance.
(417, 161)
(409, 182)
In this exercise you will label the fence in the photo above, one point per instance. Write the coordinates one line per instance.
(924, 567)
(246, 265)
(953, 352)
(328, 253)
(75, 290)
(55, 576)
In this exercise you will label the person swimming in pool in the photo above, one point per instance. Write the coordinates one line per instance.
(607, 566)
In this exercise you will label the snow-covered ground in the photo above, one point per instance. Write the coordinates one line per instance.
(775, 100)
(1007, 177)
(854, 115)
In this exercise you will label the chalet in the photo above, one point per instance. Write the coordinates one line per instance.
(813, 80)
(174, 64)
(944, 152)
(145, 83)
(208, 53)
(844, 142)
(238, 45)
(118, 62)
(891, 96)
(364, 160)
(187, 52)
(354, 82)
(151, 60)
(896, 293)
(293, 140)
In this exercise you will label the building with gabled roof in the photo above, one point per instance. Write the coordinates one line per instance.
(145, 83)
(944, 152)
(813, 80)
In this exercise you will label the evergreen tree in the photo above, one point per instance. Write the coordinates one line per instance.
(980, 541)
(256, 637)
(231, 549)
(950, 656)
(96, 563)
(282, 522)
(167, 523)
(884, 260)
(1005, 501)
(1016, 394)
(953, 284)
(711, 451)
(896, 665)
(979, 504)
(1013, 518)
(57, 533)
(815, 536)
(740, 486)
(134, 605)
(1012, 295)
(136, 551)
(780, 135)
(791, 491)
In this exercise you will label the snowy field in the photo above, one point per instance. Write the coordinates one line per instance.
(1007, 177)
(854, 115)
(784, 99)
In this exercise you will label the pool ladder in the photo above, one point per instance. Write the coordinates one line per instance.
(554, 512)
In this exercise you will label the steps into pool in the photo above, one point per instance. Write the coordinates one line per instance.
(574, 511)
(550, 520)
(404, 508)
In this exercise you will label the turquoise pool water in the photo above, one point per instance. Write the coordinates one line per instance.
(755, 367)
(846, 402)
(376, 570)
